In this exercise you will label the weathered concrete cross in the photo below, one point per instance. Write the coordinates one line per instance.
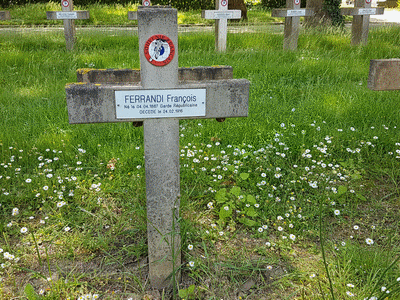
(221, 14)
(384, 74)
(360, 25)
(68, 15)
(5, 15)
(292, 14)
(164, 95)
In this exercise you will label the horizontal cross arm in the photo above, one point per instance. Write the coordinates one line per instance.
(384, 74)
(360, 11)
(96, 103)
(133, 75)
(221, 14)
(284, 12)
(67, 15)
(132, 15)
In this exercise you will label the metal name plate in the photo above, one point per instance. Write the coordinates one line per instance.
(296, 13)
(367, 11)
(223, 15)
(66, 15)
(146, 104)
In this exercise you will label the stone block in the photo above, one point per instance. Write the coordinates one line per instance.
(384, 74)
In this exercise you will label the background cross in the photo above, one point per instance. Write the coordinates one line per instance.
(360, 25)
(68, 15)
(221, 14)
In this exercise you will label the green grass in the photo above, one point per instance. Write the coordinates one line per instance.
(112, 15)
(316, 143)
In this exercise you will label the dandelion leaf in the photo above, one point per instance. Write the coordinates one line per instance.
(251, 212)
(231, 168)
(236, 191)
(248, 222)
(187, 293)
(225, 214)
(244, 176)
(361, 197)
(251, 200)
(30, 292)
(220, 196)
(341, 190)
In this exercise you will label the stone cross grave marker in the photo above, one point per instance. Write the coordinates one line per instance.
(163, 95)
(360, 25)
(384, 74)
(5, 15)
(68, 15)
(292, 14)
(221, 14)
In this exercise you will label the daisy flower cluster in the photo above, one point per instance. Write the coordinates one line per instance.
(286, 181)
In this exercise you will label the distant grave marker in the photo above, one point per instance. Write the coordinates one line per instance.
(384, 74)
(5, 15)
(221, 14)
(68, 15)
(292, 14)
(158, 95)
(360, 25)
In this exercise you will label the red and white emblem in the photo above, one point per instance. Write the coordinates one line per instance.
(146, 3)
(368, 1)
(296, 2)
(65, 3)
(159, 50)
(224, 2)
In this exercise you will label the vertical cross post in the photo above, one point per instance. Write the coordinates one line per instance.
(221, 14)
(5, 15)
(292, 15)
(161, 144)
(68, 15)
(360, 25)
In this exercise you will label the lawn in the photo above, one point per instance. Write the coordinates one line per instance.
(299, 200)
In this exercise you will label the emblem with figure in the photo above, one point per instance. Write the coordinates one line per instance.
(159, 50)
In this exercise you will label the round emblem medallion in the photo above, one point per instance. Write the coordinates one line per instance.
(159, 50)
(368, 1)
(224, 3)
(65, 3)
(146, 3)
(296, 2)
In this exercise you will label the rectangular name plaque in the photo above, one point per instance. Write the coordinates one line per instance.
(66, 15)
(173, 103)
(223, 15)
(296, 13)
(367, 11)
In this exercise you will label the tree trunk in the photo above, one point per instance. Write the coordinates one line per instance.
(238, 4)
(327, 12)
(320, 16)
